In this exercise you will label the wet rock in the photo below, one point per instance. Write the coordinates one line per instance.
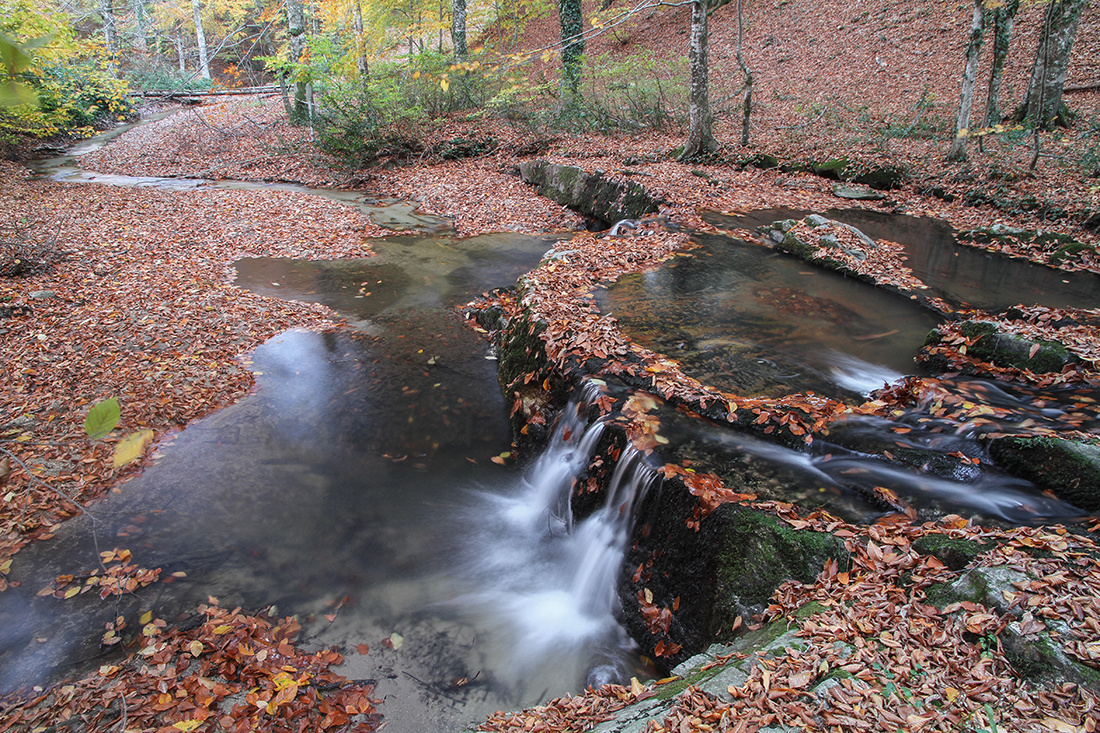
(856, 193)
(728, 568)
(1060, 247)
(1002, 349)
(1069, 469)
(589, 194)
(43, 294)
(722, 666)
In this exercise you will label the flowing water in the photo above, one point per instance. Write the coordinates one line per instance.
(357, 481)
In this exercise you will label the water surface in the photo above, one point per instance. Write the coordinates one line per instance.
(960, 274)
(754, 321)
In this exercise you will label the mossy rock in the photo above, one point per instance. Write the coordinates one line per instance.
(1069, 469)
(1007, 350)
(879, 177)
(727, 565)
(588, 193)
(832, 168)
(758, 553)
(1038, 658)
(1069, 252)
(764, 161)
(954, 552)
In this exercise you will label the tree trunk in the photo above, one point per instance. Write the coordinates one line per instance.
(572, 49)
(1043, 104)
(1004, 18)
(970, 75)
(747, 106)
(180, 52)
(296, 29)
(110, 35)
(458, 28)
(141, 31)
(200, 39)
(700, 140)
(360, 45)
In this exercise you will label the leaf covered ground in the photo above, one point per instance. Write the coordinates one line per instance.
(140, 306)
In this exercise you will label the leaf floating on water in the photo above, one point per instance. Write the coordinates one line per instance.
(363, 649)
(132, 447)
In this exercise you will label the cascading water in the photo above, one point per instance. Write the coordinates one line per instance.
(544, 583)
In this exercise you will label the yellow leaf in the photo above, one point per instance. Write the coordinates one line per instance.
(951, 693)
(72, 592)
(145, 618)
(545, 56)
(187, 725)
(416, 75)
(132, 447)
(222, 629)
(195, 647)
(636, 687)
(445, 83)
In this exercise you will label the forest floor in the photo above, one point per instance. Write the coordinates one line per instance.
(142, 307)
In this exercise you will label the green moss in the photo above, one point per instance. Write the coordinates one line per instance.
(763, 161)
(1038, 658)
(1069, 251)
(1069, 469)
(954, 552)
(758, 554)
(1007, 350)
(832, 168)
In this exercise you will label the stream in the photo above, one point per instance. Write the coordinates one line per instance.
(357, 481)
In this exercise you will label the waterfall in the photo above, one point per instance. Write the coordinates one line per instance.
(543, 582)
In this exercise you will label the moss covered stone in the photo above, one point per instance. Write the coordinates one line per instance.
(1069, 469)
(588, 193)
(758, 553)
(1008, 350)
(954, 552)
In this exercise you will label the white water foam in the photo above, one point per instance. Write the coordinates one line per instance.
(543, 585)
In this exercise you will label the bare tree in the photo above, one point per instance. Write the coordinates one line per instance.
(700, 139)
(296, 30)
(110, 34)
(360, 46)
(572, 51)
(747, 104)
(200, 39)
(970, 77)
(1043, 105)
(458, 28)
(1003, 17)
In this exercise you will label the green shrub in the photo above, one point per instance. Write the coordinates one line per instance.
(360, 125)
(73, 99)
